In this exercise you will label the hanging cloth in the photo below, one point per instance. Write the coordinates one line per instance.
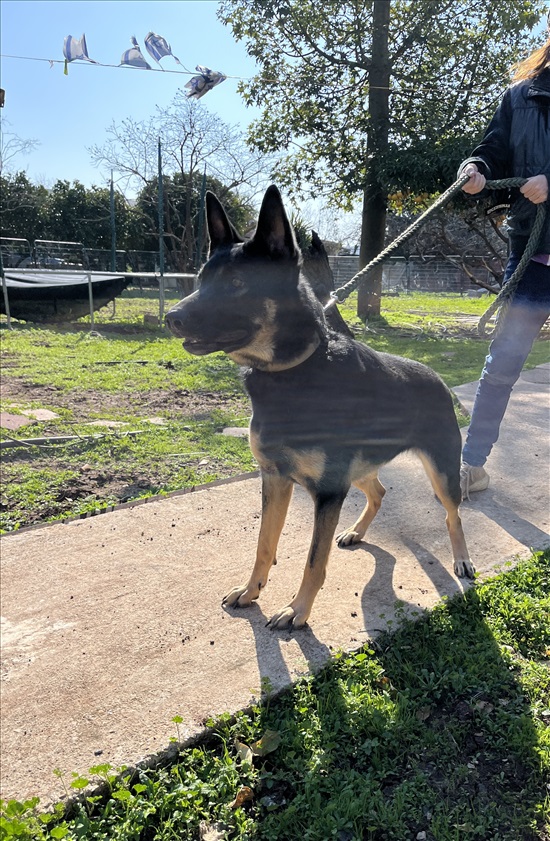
(158, 47)
(208, 79)
(134, 57)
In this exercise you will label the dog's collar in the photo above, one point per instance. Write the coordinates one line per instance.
(274, 367)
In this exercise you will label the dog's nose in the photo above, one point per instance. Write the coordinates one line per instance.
(172, 321)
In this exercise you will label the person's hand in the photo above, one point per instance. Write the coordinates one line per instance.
(535, 189)
(476, 182)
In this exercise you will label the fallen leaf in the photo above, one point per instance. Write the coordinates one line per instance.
(269, 742)
(423, 713)
(243, 796)
(245, 753)
(211, 832)
(484, 705)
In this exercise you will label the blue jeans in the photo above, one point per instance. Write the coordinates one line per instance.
(522, 323)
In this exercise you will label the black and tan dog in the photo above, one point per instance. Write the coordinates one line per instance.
(327, 410)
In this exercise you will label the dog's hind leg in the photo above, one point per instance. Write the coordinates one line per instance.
(374, 490)
(276, 494)
(327, 513)
(447, 490)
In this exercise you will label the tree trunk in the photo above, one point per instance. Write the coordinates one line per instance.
(373, 227)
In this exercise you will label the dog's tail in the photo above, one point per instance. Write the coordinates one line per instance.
(318, 273)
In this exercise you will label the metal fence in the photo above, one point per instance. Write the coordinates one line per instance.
(52, 254)
(416, 274)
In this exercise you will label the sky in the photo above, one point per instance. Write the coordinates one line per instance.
(67, 114)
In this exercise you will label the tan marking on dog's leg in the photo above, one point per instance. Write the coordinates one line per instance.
(463, 566)
(296, 613)
(276, 494)
(308, 464)
(374, 490)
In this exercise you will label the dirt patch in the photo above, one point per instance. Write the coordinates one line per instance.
(73, 486)
(92, 491)
(168, 401)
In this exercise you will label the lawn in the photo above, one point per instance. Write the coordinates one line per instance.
(146, 418)
(438, 731)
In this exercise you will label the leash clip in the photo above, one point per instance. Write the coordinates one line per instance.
(333, 299)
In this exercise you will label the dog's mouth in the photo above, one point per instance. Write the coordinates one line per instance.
(227, 343)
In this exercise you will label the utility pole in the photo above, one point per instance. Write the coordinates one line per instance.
(113, 225)
(161, 234)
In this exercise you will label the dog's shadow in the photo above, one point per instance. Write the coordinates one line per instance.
(381, 603)
(270, 648)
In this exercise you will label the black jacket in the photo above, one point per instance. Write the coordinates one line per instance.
(517, 144)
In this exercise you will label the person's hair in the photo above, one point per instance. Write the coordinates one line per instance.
(534, 63)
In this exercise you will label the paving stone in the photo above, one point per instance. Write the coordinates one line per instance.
(13, 422)
(41, 414)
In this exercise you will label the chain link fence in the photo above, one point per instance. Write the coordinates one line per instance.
(415, 274)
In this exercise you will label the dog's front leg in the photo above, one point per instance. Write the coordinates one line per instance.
(276, 494)
(327, 514)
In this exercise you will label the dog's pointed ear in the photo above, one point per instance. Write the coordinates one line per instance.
(274, 233)
(220, 229)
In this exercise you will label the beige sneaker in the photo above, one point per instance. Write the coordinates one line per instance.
(472, 479)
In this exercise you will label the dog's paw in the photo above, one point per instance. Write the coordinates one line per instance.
(240, 596)
(347, 538)
(464, 569)
(289, 618)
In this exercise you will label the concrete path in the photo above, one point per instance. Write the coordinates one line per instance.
(111, 626)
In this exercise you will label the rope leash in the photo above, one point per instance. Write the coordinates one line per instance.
(505, 295)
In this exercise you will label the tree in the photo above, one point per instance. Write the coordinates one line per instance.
(468, 235)
(193, 142)
(184, 244)
(12, 146)
(374, 96)
(76, 213)
(22, 207)
(66, 212)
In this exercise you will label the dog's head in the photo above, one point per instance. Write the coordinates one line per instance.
(250, 302)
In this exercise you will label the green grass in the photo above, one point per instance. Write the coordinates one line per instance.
(88, 475)
(429, 328)
(71, 360)
(126, 373)
(441, 727)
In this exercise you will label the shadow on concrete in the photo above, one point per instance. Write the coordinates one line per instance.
(270, 645)
(509, 520)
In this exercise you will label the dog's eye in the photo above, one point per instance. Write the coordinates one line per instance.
(238, 283)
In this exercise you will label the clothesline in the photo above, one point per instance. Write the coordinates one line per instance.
(187, 72)
(52, 61)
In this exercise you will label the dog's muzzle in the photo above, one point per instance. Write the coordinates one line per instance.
(175, 324)
(227, 341)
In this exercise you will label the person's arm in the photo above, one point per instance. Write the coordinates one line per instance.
(492, 157)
